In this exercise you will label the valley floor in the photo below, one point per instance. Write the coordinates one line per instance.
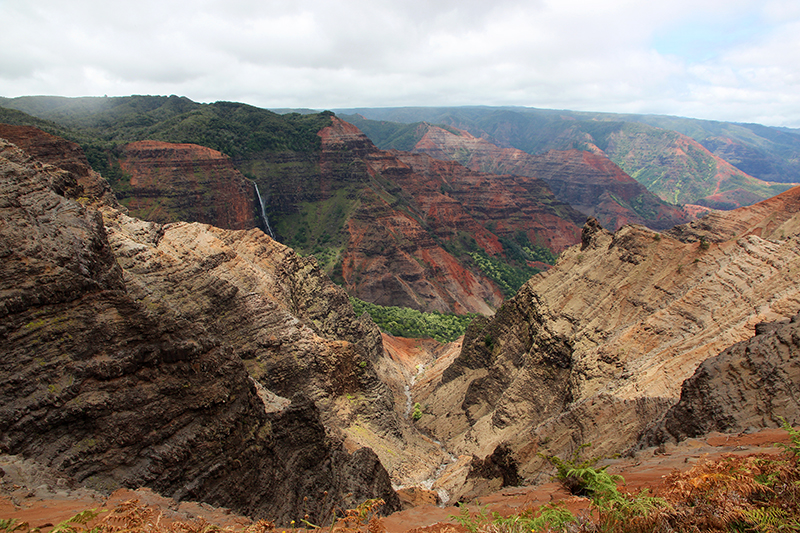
(32, 494)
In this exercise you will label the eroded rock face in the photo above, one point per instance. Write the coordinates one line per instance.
(596, 349)
(169, 182)
(394, 254)
(588, 181)
(122, 363)
(63, 154)
(752, 384)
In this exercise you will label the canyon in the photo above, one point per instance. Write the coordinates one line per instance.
(111, 376)
(210, 362)
(596, 349)
(680, 160)
(586, 180)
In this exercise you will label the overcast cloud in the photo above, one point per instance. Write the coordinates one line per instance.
(735, 60)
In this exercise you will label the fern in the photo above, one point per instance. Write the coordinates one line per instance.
(12, 525)
(552, 517)
(78, 523)
(765, 518)
(573, 484)
(470, 522)
(794, 436)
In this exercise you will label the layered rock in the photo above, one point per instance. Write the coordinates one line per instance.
(405, 208)
(168, 182)
(752, 384)
(588, 181)
(123, 345)
(63, 154)
(596, 349)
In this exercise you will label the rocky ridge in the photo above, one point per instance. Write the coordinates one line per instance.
(752, 384)
(111, 372)
(586, 180)
(396, 218)
(596, 349)
(63, 154)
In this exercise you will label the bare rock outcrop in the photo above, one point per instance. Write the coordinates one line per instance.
(596, 349)
(121, 363)
(63, 154)
(169, 182)
(752, 384)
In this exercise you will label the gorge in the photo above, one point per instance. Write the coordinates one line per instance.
(153, 335)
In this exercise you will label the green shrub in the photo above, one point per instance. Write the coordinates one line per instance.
(405, 322)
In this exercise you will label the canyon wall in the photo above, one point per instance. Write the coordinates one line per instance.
(586, 180)
(166, 182)
(596, 349)
(200, 362)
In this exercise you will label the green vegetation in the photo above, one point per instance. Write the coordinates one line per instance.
(509, 272)
(416, 413)
(405, 322)
(316, 229)
(509, 278)
(238, 130)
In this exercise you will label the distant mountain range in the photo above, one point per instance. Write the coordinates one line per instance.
(684, 161)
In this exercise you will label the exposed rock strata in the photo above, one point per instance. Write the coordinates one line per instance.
(63, 154)
(168, 182)
(588, 181)
(752, 384)
(408, 204)
(597, 348)
(294, 329)
(112, 374)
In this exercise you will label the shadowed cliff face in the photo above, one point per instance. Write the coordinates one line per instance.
(168, 182)
(596, 349)
(203, 363)
(752, 384)
(589, 182)
(62, 154)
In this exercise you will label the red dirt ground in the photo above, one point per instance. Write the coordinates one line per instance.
(43, 506)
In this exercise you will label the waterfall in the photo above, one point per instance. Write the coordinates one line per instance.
(263, 212)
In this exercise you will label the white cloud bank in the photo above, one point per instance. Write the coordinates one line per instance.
(735, 60)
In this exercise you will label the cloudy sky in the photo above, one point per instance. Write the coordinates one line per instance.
(735, 60)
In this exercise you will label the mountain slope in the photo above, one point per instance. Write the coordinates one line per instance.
(123, 345)
(595, 350)
(658, 158)
(430, 217)
(589, 182)
(323, 194)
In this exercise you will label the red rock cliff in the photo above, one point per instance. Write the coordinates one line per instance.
(169, 182)
(588, 181)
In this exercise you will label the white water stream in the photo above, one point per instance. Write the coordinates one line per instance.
(263, 211)
(444, 496)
